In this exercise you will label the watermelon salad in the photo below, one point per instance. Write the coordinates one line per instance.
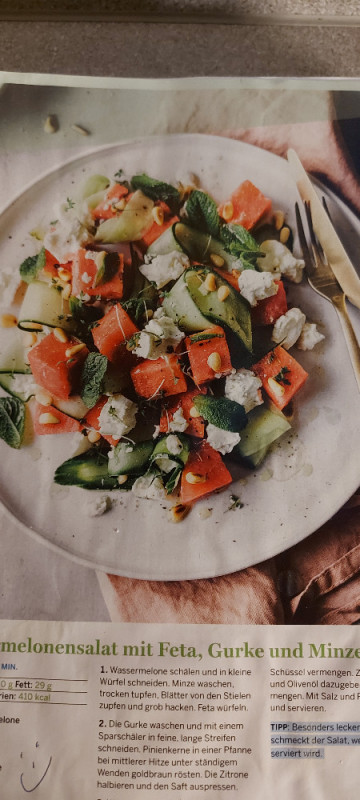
(154, 330)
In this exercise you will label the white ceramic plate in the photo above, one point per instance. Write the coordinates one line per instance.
(302, 483)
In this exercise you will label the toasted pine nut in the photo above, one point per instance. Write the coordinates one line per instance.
(43, 397)
(284, 234)
(64, 274)
(66, 291)
(276, 387)
(149, 313)
(158, 215)
(235, 273)
(76, 348)
(48, 419)
(120, 204)
(279, 219)
(122, 479)
(214, 361)
(227, 211)
(217, 260)
(194, 412)
(93, 436)
(34, 326)
(178, 512)
(193, 477)
(222, 293)
(29, 339)
(51, 124)
(60, 335)
(210, 282)
(8, 321)
(80, 129)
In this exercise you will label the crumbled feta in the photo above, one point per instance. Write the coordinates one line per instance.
(149, 486)
(86, 278)
(118, 416)
(244, 387)
(156, 432)
(288, 327)
(159, 337)
(23, 384)
(80, 444)
(69, 233)
(280, 261)
(97, 506)
(178, 423)
(173, 444)
(222, 441)
(165, 463)
(164, 268)
(256, 286)
(309, 337)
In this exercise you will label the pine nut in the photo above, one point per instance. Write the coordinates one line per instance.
(178, 512)
(64, 274)
(284, 234)
(194, 413)
(93, 436)
(276, 387)
(34, 326)
(29, 339)
(227, 211)
(122, 479)
(149, 313)
(223, 293)
(279, 219)
(66, 291)
(8, 321)
(51, 124)
(48, 419)
(158, 215)
(193, 477)
(120, 204)
(214, 361)
(60, 335)
(217, 260)
(43, 397)
(76, 348)
(210, 282)
(235, 273)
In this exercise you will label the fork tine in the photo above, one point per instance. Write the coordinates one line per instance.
(326, 207)
(302, 238)
(317, 250)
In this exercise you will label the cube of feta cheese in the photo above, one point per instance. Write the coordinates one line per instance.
(222, 441)
(279, 260)
(159, 337)
(256, 286)
(244, 387)
(288, 327)
(149, 486)
(164, 268)
(178, 423)
(309, 337)
(118, 416)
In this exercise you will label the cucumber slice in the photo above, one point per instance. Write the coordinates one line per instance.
(161, 450)
(18, 384)
(127, 458)
(200, 246)
(88, 470)
(264, 427)
(93, 185)
(221, 411)
(12, 359)
(43, 304)
(166, 243)
(180, 306)
(131, 224)
(94, 200)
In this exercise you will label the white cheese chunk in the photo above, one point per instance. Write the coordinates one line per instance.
(173, 444)
(309, 337)
(288, 327)
(70, 232)
(159, 337)
(280, 261)
(178, 423)
(118, 416)
(97, 506)
(149, 486)
(164, 268)
(222, 441)
(256, 286)
(244, 387)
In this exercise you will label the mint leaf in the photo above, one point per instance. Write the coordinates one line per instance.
(173, 479)
(222, 412)
(92, 378)
(202, 212)
(107, 269)
(32, 265)
(239, 242)
(12, 421)
(157, 190)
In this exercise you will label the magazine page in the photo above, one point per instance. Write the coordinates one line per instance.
(179, 437)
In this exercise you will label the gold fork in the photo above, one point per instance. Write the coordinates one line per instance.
(321, 278)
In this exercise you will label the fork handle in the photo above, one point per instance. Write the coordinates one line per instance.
(350, 337)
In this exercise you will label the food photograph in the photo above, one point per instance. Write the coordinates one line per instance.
(179, 357)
